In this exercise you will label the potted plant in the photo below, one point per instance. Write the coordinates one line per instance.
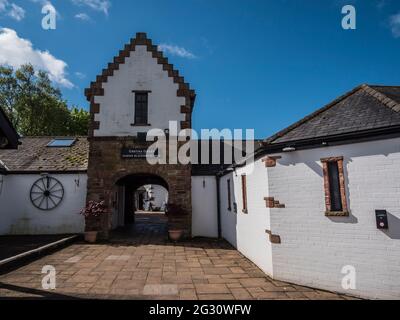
(175, 234)
(93, 210)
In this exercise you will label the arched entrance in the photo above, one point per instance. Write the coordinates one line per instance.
(139, 205)
(108, 172)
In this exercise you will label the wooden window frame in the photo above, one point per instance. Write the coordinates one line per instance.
(244, 194)
(342, 185)
(229, 195)
(139, 123)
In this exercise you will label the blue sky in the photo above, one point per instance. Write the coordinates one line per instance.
(253, 63)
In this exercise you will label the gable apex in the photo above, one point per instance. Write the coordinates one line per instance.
(141, 39)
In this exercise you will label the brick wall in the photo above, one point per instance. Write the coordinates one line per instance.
(314, 247)
(288, 235)
(106, 167)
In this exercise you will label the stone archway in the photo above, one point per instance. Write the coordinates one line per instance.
(107, 167)
(128, 200)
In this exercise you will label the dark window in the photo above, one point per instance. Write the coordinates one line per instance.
(244, 193)
(334, 186)
(229, 195)
(141, 108)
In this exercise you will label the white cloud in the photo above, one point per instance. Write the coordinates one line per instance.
(395, 25)
(176, 51)
(80, 75)
(12, 10)
(82, 16)
(3, 5)
(16, 12)
(98, 5)
(16, 51)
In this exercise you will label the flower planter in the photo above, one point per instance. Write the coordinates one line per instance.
(175, 235)
(91, 236)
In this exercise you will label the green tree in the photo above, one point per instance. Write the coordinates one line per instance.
(35, 106)
(79, 121)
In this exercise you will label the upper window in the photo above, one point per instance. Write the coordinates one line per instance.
(335, 189)
(61, 143)
(141, 108)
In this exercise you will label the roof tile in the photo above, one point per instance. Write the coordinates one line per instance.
(33, 155)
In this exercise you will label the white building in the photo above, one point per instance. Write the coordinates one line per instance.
(43, 187)
(307, 213)
(321, 200)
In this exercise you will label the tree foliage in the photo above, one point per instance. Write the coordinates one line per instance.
(35, 106)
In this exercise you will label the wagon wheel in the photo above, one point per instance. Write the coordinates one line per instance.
(47, 193)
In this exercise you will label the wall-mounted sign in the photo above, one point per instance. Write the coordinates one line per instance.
(138, 153)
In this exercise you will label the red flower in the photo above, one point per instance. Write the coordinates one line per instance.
(94, 209)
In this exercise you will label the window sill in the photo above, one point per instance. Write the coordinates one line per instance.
(337, 214)
(140, 125)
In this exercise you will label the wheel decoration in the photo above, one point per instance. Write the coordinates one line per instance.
(47, 193)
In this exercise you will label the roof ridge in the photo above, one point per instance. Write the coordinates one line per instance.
(312, 115)
(381, 86)
(381, 97)
(54, 137)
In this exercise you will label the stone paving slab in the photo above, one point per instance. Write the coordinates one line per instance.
(152, 269)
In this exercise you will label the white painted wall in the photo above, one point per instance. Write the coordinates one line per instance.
(159, 195)
(204, 207)
(315, 248)
(19, 217)
(247, 232)
(140, 72)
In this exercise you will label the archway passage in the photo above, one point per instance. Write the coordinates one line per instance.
(139, 206)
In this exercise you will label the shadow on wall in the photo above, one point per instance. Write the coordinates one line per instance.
(229, 209)
(351, 219)
(394, 227)
(315, 165)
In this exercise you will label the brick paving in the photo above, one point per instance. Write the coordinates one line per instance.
(147, 266)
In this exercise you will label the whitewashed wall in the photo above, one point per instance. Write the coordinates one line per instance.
(117, 107)
(19, 217)
(204, 207)
(315, 248)
(247, 232)
(159, 194)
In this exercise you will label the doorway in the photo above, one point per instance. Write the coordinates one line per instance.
(140, 204)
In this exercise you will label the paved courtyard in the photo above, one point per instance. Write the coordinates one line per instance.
(146, 266)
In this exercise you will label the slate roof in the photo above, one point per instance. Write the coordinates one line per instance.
(213, 169)
(366, 108)
(33, 155)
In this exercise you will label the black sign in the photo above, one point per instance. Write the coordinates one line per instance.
(382, 219)
(138, 153)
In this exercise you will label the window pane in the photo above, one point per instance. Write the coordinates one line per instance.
(334, 185)
(58, 143)
(141, 108)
